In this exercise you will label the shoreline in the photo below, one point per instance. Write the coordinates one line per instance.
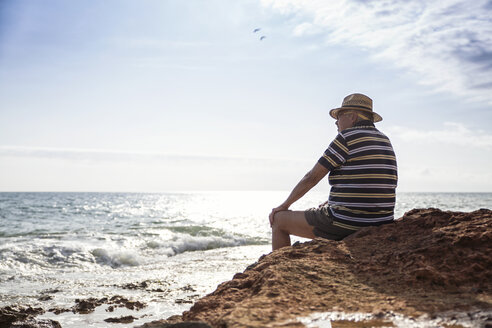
(164, 295)
(429, 266)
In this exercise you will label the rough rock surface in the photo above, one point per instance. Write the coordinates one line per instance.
(164, 324)
(429, 261)
(24, 317)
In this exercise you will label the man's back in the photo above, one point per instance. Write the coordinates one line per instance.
(364, 181)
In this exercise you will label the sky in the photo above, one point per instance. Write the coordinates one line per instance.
(169, 95)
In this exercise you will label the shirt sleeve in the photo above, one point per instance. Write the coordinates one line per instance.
(336, 154)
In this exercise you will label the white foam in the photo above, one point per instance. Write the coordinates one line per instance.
(76, 252)
(187, 243)
(116, 258)
(180, 243)
(474, 319)
(153, 244)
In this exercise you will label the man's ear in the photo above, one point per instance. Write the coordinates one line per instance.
(353, 117)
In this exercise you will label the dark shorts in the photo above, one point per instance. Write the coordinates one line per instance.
(324, 226)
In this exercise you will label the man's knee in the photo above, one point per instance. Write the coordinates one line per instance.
(279, 221)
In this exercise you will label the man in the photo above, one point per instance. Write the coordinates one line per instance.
(363, 176)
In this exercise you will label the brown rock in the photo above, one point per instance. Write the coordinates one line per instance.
(429, 261)
(142, 285)
(10, 314)
(24, 317)
(36, 323)
(45, 298)
(88, 305)
(59, 310)
(165, 324)
(125, 319)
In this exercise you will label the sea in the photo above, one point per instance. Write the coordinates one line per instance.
(163, 249)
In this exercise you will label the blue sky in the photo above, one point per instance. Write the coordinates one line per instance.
(182, 95)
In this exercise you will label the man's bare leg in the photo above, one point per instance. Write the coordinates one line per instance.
(288, 223)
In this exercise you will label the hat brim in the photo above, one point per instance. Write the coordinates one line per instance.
(375, 116)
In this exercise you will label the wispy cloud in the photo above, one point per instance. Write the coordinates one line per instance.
(451, 133)
(307, 29)
(448, 44)
(82, 154)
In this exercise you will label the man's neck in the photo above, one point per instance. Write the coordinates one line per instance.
(363, 123)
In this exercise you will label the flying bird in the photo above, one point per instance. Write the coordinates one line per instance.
(262, 37)
(256, 30)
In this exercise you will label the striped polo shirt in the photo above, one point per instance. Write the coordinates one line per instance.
(363, 177)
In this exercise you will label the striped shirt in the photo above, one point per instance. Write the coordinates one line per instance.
(363, 177)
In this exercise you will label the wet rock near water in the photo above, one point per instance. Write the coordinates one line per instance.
(188, 288)
(187, 300)
(59, 310)
(426, 263)
(24, 317)
(124, 319)
(88, 305)
(51, 291)
(45, 298)
(141, 285)
(36, 323)
(11, 316)
(147, 285)
(46, 295)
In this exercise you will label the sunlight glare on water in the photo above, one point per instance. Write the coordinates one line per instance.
(93, 244)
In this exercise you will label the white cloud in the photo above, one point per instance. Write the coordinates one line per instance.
(452, 133)
(114, 155)
(306, 29)
(448, 44)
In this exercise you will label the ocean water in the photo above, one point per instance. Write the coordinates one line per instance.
(182, 245)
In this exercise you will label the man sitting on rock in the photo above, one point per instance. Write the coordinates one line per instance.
(363, 176)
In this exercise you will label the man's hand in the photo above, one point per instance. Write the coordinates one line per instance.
(323, 204)
(275, 210)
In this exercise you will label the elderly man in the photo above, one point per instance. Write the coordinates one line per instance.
(363, 176)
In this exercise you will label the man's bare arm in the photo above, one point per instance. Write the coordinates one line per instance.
(311, 179)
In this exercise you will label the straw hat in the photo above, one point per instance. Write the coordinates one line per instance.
(357, 101)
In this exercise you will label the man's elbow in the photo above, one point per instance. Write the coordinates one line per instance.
(312, 178)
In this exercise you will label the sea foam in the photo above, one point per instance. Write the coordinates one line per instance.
(116, 258)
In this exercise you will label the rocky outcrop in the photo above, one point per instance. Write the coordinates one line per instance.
(429, 261)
